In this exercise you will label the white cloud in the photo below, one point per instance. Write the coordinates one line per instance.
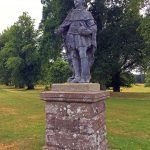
(10, 10)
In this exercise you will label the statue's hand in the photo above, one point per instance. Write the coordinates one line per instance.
(58, 31)
(84, 31)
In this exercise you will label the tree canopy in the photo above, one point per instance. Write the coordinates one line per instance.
(120, 47)
(18, 54)
(123, 43)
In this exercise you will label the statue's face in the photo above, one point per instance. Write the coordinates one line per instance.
(78, 3)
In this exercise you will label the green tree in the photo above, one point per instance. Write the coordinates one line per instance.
(22, 57)
(59, 71)
(120, 46)
(5, 73)
(54, 12)
(144, 30)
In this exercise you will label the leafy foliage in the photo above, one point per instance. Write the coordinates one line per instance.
(54, 12)
(5, 73)
(19, 55)
(120, 47)
(144, 30)
(59, 71)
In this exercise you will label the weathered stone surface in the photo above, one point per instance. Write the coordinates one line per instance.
(90, 126)
(68, 140)
(73, 87)
(87, 110)
(75, 120)
(103, 145)
(49, 147)
(56, 108)
(74, 110)
(62, 123)
(76, 125)
(81, 97)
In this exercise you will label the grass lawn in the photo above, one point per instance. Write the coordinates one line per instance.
(138, 88)
(22, 119)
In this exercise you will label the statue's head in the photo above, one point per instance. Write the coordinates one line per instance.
(78, 3)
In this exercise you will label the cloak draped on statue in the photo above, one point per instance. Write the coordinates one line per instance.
(79, 30)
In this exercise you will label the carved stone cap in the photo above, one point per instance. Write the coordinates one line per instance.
(78, 93)
(76, 87)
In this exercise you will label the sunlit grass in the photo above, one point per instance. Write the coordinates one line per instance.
(22, 119)
(128, 123)
(139, 88)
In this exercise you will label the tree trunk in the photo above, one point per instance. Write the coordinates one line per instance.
(7, 84)
(30, 86)
(21, 86)
(116, 82)
(16, 86)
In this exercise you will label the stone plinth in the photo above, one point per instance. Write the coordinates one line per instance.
(75, 117)
(73, 87)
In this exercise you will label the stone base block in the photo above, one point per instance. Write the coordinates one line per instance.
(73, 87)
(75, 120)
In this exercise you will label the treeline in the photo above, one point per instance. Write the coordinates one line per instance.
(19, 56)
(29, 56)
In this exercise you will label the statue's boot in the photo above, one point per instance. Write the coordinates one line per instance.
(76, 67)
(70, 79)
(85, 71)
(71, 67)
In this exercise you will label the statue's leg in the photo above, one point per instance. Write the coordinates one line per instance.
(85, 68)
(69, 57)
(76, 66)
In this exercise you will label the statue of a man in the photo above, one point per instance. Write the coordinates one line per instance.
(79, 34)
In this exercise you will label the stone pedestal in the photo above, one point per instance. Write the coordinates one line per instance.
(75, 117)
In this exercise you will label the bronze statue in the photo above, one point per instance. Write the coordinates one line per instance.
(79, 34)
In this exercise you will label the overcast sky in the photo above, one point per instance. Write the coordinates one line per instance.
(10, 10)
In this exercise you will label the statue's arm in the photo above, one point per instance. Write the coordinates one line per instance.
(62, 28)
(92, 25)
(65, 25)
(91, 28)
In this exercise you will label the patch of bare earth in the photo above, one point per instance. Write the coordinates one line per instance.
(8, 111)
(10, 146)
